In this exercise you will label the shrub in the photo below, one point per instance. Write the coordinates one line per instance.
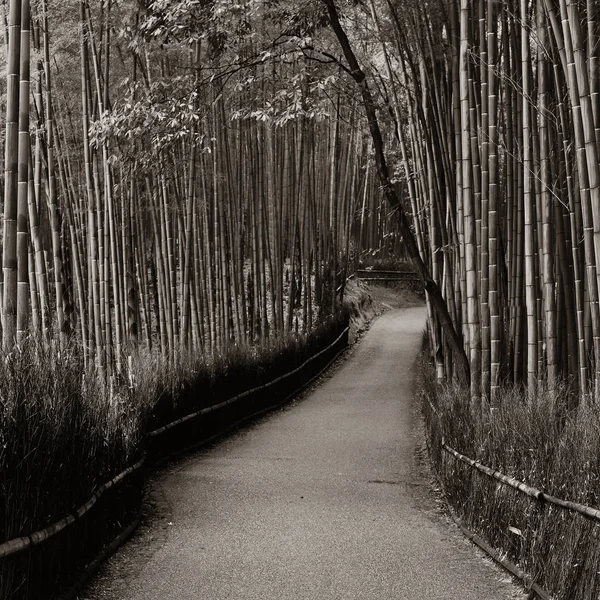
(539, 441)
(63, 433)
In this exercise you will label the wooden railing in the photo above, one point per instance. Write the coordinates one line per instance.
(377, 275)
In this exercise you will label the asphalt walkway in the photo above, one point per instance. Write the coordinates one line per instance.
(326, 499)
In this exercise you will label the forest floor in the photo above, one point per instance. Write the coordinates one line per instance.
(329, 497)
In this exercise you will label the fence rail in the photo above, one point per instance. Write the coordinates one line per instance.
(33, 539)
(539, 495)
(214, 407)
(373, 275)
(22, 543)
(534, 493)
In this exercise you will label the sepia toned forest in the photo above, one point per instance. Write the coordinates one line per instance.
(190, 186)
(165, 190)
(176, 172)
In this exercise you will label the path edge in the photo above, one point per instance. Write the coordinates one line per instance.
(112, 547)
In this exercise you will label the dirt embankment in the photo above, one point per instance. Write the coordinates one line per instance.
(366, 301)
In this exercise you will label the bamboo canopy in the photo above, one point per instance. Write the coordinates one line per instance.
(195, 177)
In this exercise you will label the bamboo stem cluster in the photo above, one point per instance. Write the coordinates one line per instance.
(216, 221)
(496, 113)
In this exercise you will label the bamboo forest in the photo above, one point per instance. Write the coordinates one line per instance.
(198, 199)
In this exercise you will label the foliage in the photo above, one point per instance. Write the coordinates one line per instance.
(540, 441)
(189, 382)
(62, 434)
(151, 118)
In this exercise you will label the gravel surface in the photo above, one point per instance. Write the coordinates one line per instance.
(329, 498)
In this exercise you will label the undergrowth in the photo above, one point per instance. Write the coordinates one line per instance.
(60, 437)
(390, 263)
(63, 433)
(537, 440)
(191, 382)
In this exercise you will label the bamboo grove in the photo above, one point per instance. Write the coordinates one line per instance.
(156, 196)
(189, 174)
(492, 110)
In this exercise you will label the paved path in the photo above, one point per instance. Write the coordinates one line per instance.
(327, 499)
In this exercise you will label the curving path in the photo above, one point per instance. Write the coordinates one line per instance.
(327, 499)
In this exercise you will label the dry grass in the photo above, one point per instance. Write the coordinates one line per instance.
(538, 441)
(189, 382)
(63, 434)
